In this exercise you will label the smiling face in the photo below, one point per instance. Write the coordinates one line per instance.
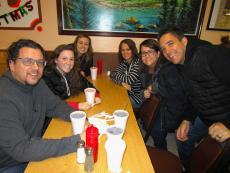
(173, 48)
(65, 61)
(82, 45)
(29, 74)
(126, 52)
(149, 56)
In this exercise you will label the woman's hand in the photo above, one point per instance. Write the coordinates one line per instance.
(97, 100)
(82, 73)
(84, 106)
(147, 94)
(127, 86)
(182, 131)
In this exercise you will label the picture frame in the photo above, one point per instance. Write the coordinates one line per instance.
(219, 16)
(100, 18)
(20, 14)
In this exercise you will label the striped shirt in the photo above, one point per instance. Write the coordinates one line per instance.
(129, 73)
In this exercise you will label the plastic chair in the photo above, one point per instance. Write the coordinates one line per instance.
(147, 114)
(164, 161)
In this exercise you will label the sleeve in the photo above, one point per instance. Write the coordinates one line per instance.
(56, 107)
(86, 84)
(86, 66)
(119, 74)
(133, 76)
(219, 61)
(19, 145)
(56, 85)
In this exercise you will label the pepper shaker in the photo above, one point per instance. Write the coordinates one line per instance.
(89, 160)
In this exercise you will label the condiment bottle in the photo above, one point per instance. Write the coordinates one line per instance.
(99, 66)
(92, 140)
(81, 151)
(88, 167)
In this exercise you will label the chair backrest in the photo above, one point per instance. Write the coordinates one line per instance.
(206, 156)
(147, 113)
(164, 161)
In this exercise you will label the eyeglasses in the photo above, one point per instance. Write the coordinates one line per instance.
(148, 53)
(30, 62)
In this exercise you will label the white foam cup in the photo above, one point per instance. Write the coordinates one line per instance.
(90, 95)
(93, 71)
(114, 132)
(120, 118)
(78, 121)
(115, 150)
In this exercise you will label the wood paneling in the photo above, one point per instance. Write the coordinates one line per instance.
(110, 60)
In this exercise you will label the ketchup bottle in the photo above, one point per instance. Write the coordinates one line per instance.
(92, 140)
(99, 66)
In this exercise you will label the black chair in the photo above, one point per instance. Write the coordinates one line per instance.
(147, 113)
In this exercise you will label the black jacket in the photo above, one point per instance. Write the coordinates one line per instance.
(56, 82)
(207, 79)
(85, 64)
(169, 84)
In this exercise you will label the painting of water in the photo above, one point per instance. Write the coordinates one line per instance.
(130, 17)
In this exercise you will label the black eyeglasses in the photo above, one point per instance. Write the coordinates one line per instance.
(30, 62)
(148, 53)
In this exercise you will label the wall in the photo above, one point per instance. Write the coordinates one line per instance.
(49, 37)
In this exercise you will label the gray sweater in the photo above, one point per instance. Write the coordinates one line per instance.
(23, 110)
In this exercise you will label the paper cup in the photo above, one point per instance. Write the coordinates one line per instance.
(120, 118)
(93, 71)
(115, 150)
(78, 121)
(90, 95)
(114, 133)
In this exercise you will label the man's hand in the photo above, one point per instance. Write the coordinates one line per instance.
(182, 131)
(127, 86)
(219, 132)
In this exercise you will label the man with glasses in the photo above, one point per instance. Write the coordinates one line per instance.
(25, 100)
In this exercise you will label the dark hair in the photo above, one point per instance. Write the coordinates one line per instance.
(152, 44)
(57, 51)
(13, 50)
(225, 41)
(131, 44)
(73, 75)
(178, 33)
(89, 53)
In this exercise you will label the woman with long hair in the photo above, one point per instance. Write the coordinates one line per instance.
(84, 53)
(127, 72)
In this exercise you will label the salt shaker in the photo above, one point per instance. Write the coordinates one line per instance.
(81, 151)
(89, 160)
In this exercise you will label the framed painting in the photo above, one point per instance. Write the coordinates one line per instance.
(219, 18)
(19, 14)
(134, 18)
